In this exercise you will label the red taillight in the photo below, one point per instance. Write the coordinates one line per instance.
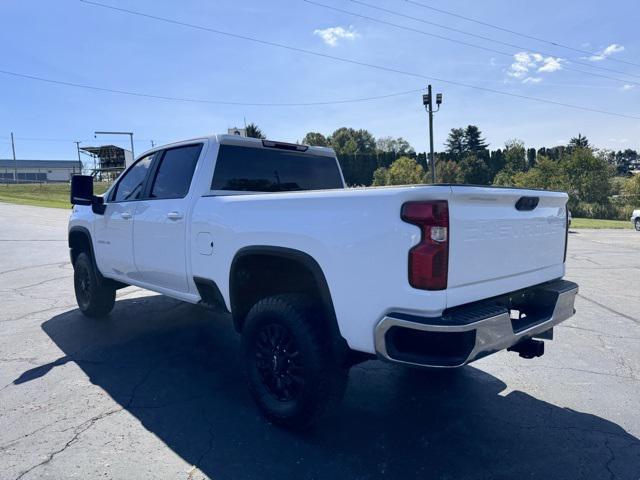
(429, 259)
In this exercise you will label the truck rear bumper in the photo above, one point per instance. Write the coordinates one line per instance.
(464, 334)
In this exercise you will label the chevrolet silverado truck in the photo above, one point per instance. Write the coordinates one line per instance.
(317, 277)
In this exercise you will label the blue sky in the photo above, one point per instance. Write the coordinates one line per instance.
(70, 41)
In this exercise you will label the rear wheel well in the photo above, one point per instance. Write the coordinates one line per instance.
(261, 272)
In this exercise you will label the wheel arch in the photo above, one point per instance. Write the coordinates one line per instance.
(79, 239)
(289, 258)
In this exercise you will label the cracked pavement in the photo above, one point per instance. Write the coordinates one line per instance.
(156, 390)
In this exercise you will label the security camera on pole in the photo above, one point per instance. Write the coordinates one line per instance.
(427, 101)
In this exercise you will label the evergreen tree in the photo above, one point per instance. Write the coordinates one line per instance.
(578, 142)
(473, 141)
(455, 144)
(253, 131)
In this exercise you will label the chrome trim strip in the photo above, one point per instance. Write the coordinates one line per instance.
(492, 333)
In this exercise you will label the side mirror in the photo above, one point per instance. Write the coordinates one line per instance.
(82, 193)
(81, 190)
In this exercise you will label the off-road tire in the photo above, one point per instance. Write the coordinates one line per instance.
(94, 300)
(297, 379)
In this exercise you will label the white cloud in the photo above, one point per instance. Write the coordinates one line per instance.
(331, 35)
(606, 52)
(550, 64)
(627, 87)
(526, 63)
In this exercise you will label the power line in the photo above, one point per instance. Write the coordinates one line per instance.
(201, 100)
(350, 61)
(520, 34)
(482, 37)
(453, 40)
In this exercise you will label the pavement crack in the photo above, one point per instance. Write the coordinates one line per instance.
(26, 315)
(4, 272)
(609, 309)
(79, 430)
(612, 457)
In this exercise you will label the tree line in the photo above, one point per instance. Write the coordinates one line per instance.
(598, 181)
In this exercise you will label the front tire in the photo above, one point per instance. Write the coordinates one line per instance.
(638, 224)
(293, 375)
(94, 300)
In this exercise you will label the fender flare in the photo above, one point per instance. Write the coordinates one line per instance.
(308, 262)
(100, 279)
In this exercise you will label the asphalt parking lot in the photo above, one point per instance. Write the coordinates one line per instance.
(156, 390)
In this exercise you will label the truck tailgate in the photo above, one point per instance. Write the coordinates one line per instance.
(496, 248)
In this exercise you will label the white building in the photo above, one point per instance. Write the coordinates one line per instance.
(30, 171)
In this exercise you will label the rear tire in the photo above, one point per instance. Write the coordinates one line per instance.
(292, 372)
(638, 224)
(94, 300)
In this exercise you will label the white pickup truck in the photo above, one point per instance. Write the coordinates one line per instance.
(316, 276)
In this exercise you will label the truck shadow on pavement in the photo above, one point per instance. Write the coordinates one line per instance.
(177, 369)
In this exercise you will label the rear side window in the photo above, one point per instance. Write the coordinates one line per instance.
(130, 186)
(175, 171)
(272, 170)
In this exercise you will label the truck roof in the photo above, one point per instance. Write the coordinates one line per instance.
(226, 139)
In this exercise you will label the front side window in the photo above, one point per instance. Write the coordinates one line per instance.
(175, 171)
(130, 186)
(272, 170)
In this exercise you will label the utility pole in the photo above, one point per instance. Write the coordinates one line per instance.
(427, 101)
(15, 162)
(152, 144)
(79, 159)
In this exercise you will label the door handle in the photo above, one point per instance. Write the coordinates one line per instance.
(174, 215)
(125, 215)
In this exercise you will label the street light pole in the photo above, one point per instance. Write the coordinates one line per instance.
(15, 162)
(79, 159)
(427, 101)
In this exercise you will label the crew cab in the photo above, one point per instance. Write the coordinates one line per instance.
(317, 276)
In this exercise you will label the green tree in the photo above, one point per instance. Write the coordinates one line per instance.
(380, 177)
(404, 171)
(495, 162)
(350, 141)
(455, 143)
(473, 141)
(473, 171)
(531, 157)
(631, 189)
(578, 142)
(315, 139)
(447, 171)
(588, 176)
(397, 146)
(253, 131)
(515, 162)
(514, 156)
(547, 175)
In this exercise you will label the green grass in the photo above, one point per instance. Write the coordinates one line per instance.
(595, 223)
(55, 195)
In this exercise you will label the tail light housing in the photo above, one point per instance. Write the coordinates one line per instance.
(429, 259)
